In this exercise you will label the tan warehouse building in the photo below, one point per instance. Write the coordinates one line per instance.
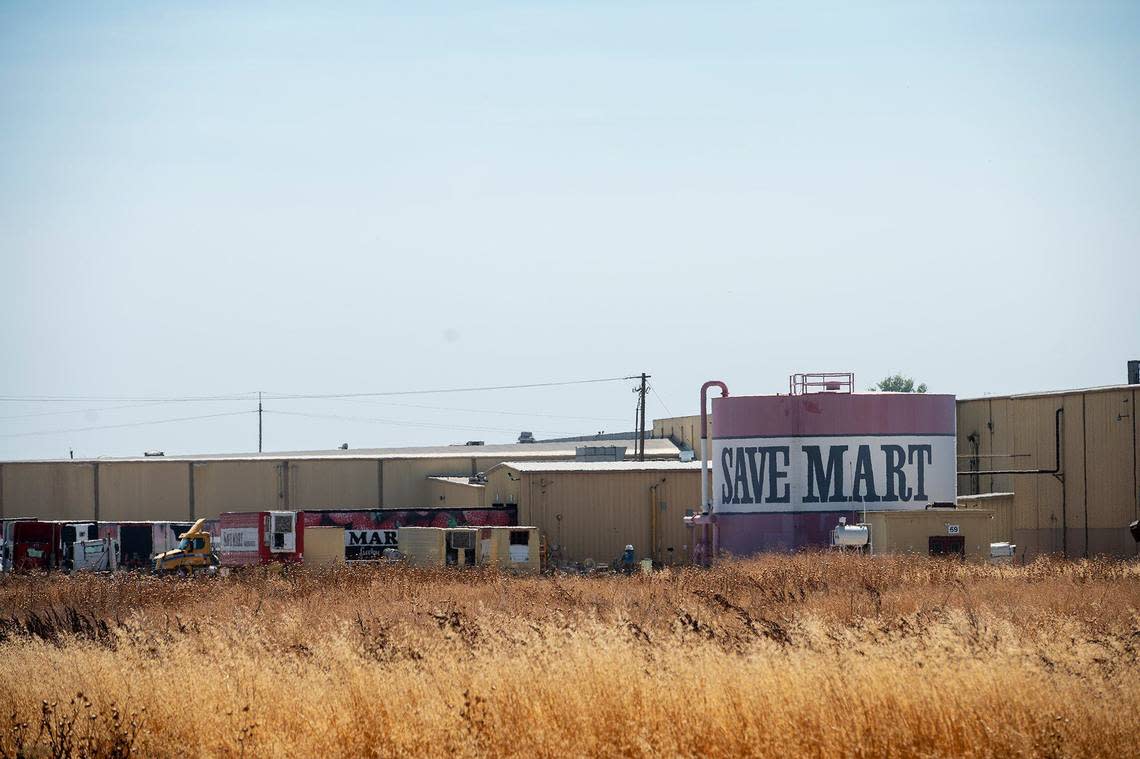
(1078, 504)
(190, 487)
(592, 510)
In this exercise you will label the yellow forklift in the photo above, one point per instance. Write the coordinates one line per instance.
(195, 553)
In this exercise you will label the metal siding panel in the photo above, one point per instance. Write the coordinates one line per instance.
(236, 486)
(49, 491)
(972, 418)
(1071, 518)
(1108, 464)
(153, 490)
(334, 484)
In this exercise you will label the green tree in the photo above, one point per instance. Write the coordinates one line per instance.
(897, 383)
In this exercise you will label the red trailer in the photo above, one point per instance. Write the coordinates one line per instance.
(261, 537)
(34, 545)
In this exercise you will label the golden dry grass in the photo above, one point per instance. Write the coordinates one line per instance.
(782, 656)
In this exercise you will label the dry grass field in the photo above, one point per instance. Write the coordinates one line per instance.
(783, 656)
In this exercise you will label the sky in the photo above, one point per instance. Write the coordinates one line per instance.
(215, 199)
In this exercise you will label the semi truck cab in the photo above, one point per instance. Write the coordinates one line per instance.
(195, 553)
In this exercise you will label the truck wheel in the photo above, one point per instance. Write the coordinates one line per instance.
(184, 570)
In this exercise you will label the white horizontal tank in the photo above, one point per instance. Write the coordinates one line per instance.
(850, 535)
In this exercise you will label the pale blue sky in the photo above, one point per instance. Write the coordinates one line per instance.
(231, 197)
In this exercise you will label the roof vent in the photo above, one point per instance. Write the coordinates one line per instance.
(149, 454)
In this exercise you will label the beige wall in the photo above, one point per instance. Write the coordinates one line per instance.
(1088, 513)
(682, 429)
(443, 493)
(237, 486)
(332, 483)
(48, 491)
(910, 531)
(144, 490)
(503, 486)
(324, 546)
(603, 511)
(1001, 505)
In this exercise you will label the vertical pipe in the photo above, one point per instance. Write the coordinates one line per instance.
(706, 505)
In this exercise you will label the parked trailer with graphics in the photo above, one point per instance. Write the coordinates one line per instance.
(787, 468)
(368, 532)
(261, 537)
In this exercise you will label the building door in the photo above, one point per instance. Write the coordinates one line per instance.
(948, 545)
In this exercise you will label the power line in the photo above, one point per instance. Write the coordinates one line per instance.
(128, 424)
(84, 410)
(446, 390)
(660, 400)
(289, 396)
(121, 398)
(406, 423)
(531, 414)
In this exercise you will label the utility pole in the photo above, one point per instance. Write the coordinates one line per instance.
(641, 424)
(259, 421)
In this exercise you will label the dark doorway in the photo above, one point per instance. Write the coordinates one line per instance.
(948, 545)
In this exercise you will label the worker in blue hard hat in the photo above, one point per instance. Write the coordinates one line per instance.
(628, 560)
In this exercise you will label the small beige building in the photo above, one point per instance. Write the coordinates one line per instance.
(592, 510)
(439, 546)
(965, 533)
(513, 549)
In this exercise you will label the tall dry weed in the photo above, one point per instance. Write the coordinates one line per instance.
(812, 654)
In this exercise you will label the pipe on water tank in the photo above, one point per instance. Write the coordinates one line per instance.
(705, 504)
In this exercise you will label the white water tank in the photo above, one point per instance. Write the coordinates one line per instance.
(851, 535)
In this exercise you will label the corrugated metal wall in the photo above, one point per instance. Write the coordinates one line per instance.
(595, 514)
(238, 486)
(151, 490)
(681, 429)
(455, 494)
(1086, 512)
(333, 483)
(48, 491)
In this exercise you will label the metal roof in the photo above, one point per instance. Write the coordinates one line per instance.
(658, 448)
(457, 481)
(1049, 393)
(601, 466)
